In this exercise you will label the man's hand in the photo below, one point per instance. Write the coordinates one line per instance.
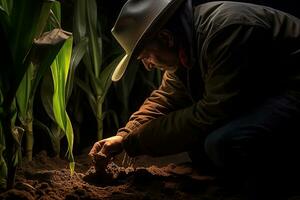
(108, 147)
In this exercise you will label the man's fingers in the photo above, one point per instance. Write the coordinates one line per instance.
(96, 148)
(106, 149)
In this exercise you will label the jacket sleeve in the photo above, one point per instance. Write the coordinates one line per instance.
(225, 55)
(171, 95)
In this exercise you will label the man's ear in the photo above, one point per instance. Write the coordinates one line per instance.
(166, 37)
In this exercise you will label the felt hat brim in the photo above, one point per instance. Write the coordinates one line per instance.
(137, 19)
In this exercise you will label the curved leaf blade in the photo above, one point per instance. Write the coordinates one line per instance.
(59, 69)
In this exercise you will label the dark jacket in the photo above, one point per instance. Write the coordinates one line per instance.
(242, 53)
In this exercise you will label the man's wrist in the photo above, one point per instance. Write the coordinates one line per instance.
(122, 133)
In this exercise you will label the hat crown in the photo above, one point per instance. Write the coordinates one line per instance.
(134, 20)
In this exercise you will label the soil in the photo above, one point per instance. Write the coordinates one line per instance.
(170, 177)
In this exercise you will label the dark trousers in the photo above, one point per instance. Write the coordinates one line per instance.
(260, 148)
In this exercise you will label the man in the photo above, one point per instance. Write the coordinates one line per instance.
(230, 94)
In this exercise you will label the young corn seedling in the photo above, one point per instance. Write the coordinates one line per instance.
(60, 69)
(47, 91)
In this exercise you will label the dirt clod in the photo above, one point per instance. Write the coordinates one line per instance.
(100, 162)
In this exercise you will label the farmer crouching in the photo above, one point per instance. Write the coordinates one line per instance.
(230, 94)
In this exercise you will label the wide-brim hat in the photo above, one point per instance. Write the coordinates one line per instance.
(138, 18)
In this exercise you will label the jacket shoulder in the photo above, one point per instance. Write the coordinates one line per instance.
(218, 14)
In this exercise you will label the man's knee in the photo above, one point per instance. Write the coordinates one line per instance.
(214, 145)
(240, 146)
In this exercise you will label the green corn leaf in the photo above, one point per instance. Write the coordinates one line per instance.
(24, 91)
(79, 51)
(22, 25)
(6, 5)
(42, 126)
(13, 113)
(87, 90)
(56, 9)
(25, 17)
(43, 18)
(70, 139)
(79, 24)
(55, 16)
(4, 15)
(17, 133)
(85, 21)
(77, 54)
(59, 69)
(96, 57)
(45, 50)
(105, 77)
(100, 55)
(52, 133)
(89, 93)
(45, 58)
(88, 64)
(90, 76)
(47, 91)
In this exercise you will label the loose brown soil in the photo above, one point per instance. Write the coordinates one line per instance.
(150, 178)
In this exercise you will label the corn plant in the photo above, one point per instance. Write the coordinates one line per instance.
(21, 22)
(58, 84)
(27, 89)
(97, 78)
(47, 91)
(55, 129)
(15, 18)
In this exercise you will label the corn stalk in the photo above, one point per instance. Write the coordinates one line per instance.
(98, 73)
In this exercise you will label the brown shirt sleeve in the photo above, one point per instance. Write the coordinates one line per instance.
(170, 96)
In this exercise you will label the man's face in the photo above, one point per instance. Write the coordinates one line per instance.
(160, 53)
